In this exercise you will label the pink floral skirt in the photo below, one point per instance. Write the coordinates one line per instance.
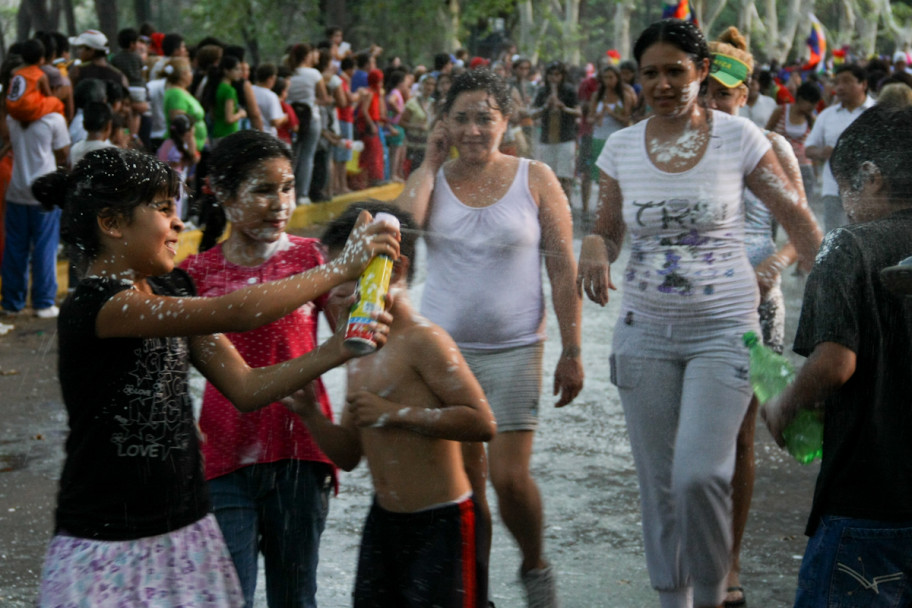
(188, 567)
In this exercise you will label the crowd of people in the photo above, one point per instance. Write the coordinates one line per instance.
(697, 154)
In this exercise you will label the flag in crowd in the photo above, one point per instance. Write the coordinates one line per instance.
(816, 42)
(679, 9)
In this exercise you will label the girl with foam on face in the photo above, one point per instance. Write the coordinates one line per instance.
(676, 180)
(133, 504)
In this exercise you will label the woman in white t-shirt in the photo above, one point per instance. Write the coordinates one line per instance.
(306, 90)
(677, 180)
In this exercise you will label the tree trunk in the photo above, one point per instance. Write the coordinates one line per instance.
(337, 14)
(450, 20)
(571, 27)
(789, 31)
(622, 14)
(902, 33)
(54, 16)
(142, 10)
(106, 11)
(712, 13)
(526, 41)
(70, 16)
(772, 28)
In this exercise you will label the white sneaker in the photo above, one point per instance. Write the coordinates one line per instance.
(303, 200)
(541, 588)
(5, 329)
(50, 312)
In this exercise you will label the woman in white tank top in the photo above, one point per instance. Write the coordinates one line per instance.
(490, 220)
(610, 110)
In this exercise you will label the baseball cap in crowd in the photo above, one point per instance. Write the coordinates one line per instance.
(478, 62)
(92, 39)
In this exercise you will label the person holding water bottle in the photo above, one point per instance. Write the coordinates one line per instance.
(857, 337)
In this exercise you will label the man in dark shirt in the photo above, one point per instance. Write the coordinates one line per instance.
(857, 336)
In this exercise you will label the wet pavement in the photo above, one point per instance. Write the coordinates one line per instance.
(582, 462)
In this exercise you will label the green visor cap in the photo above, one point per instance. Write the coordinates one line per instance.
(729, 71)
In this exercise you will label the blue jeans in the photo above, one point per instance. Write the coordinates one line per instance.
(32, 236)
(278, 509)
(857, 562)
(304, 149)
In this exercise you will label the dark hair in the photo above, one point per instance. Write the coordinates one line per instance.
(280, 85)
(115, 91)
(323, 61)
(679, 33)
(298, 53)
(557, 66)
(900, 77)
(857, 71)
(230, 164)
(362, 59)
(171, 43)
(96, 116)
(880, 136)
(236, 51)
(394, 78)
(179, 126)
(88, 90)
(265, 71)
(347, 63)
(481, 79)
(32, 51)
(764, 79)
(214, 78)
(126, 37)
(50, 44)
(331, 31)
(441, 60)
(336, 232)
(628, 64)
(210, 41)
(105, 183)
(618, 88)
(808, 91)
(63, 43)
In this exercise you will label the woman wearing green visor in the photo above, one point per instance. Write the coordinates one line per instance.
(729, 72)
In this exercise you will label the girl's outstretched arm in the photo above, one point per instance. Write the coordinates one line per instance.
(134, 313)
(250, 388)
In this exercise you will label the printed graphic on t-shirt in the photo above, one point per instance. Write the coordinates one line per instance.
(152, 422)
(677, 262)
(17, 87)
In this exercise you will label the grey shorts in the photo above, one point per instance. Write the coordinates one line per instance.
(511, 380)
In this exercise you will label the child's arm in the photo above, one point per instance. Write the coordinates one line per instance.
(250, 388)
(232, 116)
(44, 85)
(463, 413)
(341, 442)
(827, 369)
(131, 313)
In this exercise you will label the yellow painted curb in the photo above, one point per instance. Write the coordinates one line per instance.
(303, 217)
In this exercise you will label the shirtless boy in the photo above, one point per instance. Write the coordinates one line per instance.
(409, 406)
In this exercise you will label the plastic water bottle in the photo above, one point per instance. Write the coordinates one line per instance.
(770, 373)
(804, 437)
